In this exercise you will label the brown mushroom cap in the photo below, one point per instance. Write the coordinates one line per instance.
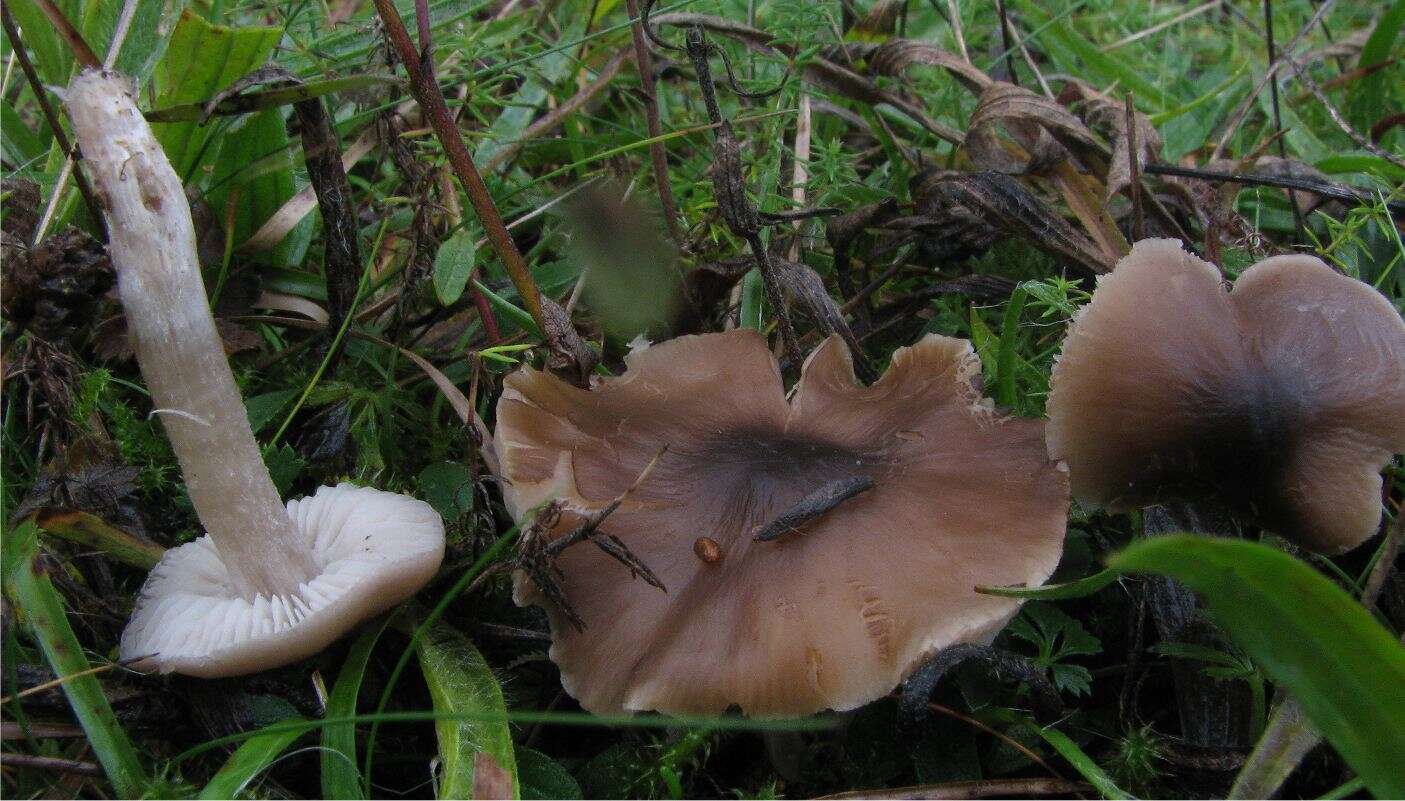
(1281, 399)
(830, 617)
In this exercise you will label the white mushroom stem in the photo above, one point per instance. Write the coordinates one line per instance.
(180, 353)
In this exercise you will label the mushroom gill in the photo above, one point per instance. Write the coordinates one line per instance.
(830, 616)
(1279, 400)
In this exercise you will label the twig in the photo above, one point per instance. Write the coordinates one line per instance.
(955, 20)
(50, 116)
(1240, 112)
(11, 759)
(1336, 115)
(1277, 118)
(1005, 40)
(561, 336)
(800, 170)
(81, 51)
(119, 34)
(644, 62)
(729, 187)
(1138, 215)
(588, 528)
(1334, 191)
(342, 264)
(62, 680)
(980, 788)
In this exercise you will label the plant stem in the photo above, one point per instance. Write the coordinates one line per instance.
(436, 112)
(50, 117)
(657, 154)
(179, 351)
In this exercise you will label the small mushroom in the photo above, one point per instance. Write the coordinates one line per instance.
(1279, 400)
(830, 615)
(268, 585)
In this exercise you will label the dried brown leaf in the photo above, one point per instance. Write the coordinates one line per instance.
(1003, 199)
(1045, 131)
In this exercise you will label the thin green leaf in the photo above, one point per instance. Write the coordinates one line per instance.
(341, 775)
(41, 608)
(1081, 762)
(246, 763)
(1107, 67)
(1006, 357)
(93, 532)
(505, 307)
(460, 681)
(1307, 634)
(1056, 592)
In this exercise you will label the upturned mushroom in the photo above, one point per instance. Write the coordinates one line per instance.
(1279, 400)
(814, 551)
(267, 585)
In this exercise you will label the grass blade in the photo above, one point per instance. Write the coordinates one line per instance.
(1081, 762)
(341, 776)
(34, 597)
(1080, 588)
(1006, 357)
(1309, 635)
(251, 759)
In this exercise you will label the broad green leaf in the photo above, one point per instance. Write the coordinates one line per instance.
(143, 41)
(255, 165)
(40, 607)
(453, 264)
(252, 758)
(542, 777)
(20, 144)
(753, 307)
(200, 60)
(51, 57)
(448, 487)
(460, 682)
(263, 409)
(1366, 101)
(1361, 162)
(1307, 634)
(341, 774)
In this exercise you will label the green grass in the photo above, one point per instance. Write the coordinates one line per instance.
(367, 718)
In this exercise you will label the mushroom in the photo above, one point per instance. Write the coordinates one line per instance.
(1279, 401)
(268, 585)
(915, 491)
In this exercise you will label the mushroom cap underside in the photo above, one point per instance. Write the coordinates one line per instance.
(830, 616)
(1280, 399)
(373, 548)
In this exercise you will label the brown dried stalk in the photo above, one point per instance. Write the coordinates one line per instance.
(561, 337)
